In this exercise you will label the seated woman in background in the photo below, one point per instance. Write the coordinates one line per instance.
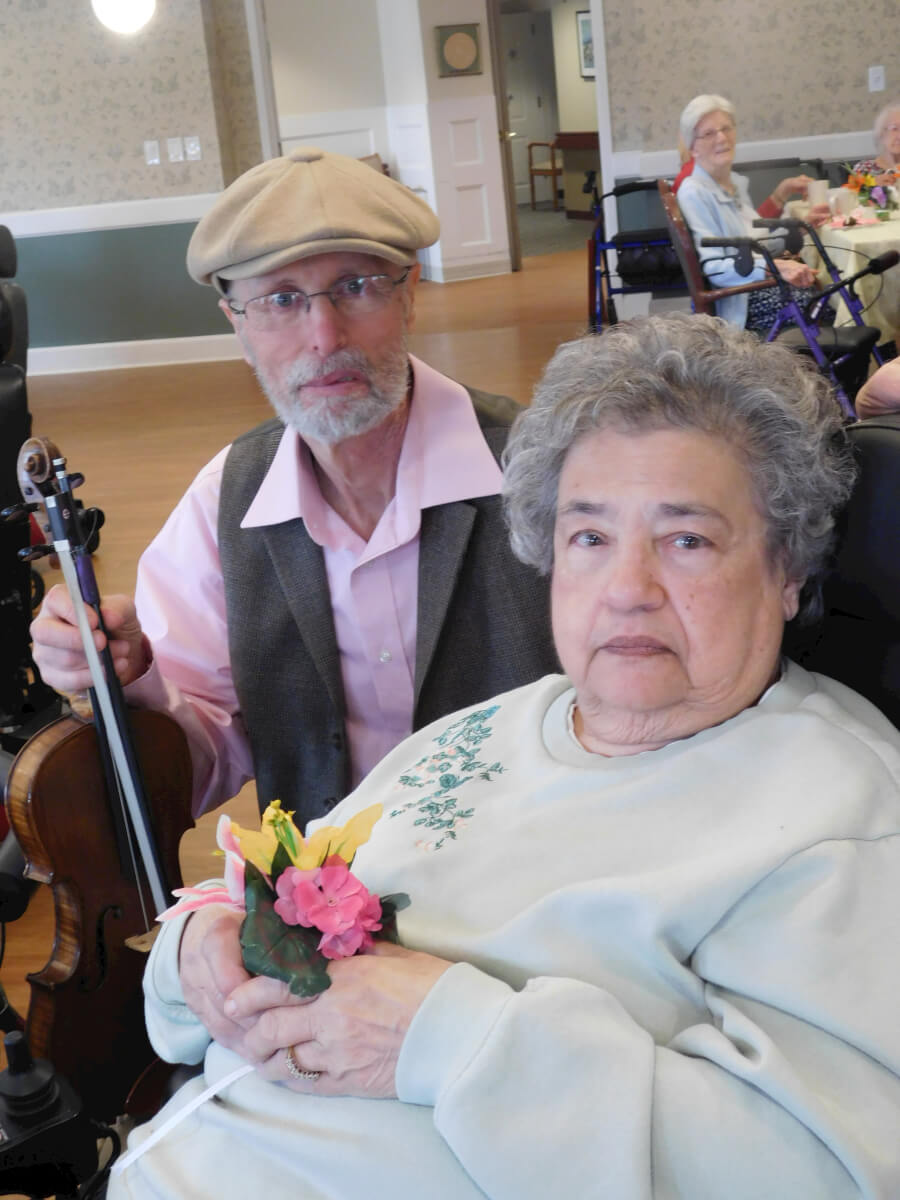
(886, 165)
(650, 949)
(715, 202)
(772, 206)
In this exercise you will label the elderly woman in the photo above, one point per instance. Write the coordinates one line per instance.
(651, 949)
(715, 202)
(886, 165)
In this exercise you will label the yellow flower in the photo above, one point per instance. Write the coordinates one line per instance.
(278, 828)
(333, 839)
(257, 846)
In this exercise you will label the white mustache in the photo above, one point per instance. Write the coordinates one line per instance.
(301, 374)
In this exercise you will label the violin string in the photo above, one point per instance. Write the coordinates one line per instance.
(113, 735)
(114, 786)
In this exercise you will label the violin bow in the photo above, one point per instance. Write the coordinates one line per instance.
(43, 479)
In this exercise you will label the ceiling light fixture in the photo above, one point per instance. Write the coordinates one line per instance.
(124, 16)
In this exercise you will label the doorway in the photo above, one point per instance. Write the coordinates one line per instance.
(526, 66)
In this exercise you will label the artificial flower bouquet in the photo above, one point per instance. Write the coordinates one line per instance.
(303, 904)
(868, 191)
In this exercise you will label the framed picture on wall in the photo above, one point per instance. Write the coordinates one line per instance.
(585, 44)
(458, 50)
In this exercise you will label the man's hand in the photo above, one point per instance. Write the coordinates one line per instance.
(351, 1033)
(58, 650)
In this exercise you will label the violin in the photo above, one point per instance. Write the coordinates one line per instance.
(98, 807)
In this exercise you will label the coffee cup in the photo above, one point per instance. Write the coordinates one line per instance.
(843, 200)
(817, 191)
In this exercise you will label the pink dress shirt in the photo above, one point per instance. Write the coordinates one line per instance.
(373, 586)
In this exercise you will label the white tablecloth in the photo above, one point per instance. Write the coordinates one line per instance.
(850, 249)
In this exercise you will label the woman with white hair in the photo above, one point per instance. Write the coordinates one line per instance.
(715, 202)
(886, 165)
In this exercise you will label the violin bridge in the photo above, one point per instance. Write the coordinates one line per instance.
(143, 941)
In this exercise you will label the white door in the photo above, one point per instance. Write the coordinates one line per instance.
(527, 49)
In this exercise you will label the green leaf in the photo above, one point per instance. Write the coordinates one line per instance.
(281, 859)
(269, 947)
(390, 906)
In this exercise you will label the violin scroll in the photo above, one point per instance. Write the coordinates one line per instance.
(34, 467)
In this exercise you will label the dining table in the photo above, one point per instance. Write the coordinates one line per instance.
(850, 247)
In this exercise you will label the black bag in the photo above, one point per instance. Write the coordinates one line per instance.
(641, 264)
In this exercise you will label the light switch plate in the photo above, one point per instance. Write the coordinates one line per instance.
(192, 151)
(175, 149)
(876, 79)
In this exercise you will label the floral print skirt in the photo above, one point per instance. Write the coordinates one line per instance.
(764, 306)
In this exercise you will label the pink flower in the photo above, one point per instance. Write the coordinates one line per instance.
(359, 936)
(333, 900)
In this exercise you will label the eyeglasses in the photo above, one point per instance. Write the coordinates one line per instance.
(355, 297)
(728, 130)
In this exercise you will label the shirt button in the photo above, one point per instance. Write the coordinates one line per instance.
(385, 656)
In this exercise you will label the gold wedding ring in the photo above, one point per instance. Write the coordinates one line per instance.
(295, 1070)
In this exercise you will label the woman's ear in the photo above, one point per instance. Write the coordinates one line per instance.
(790, 598)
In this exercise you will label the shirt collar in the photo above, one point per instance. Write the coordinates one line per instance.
(706, 180)
(444, 458)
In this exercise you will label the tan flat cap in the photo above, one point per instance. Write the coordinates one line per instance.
(309, 202)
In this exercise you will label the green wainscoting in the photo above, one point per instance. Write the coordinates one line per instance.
(114, 285)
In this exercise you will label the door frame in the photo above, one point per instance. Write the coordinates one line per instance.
(506, 163)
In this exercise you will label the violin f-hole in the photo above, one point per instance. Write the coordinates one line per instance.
(113, 912)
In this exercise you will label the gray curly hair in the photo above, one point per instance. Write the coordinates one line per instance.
(695, 110)
(689, 372)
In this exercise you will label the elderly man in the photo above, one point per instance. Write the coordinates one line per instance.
(340, 575)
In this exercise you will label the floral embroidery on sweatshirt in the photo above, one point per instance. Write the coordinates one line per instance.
(457, 761)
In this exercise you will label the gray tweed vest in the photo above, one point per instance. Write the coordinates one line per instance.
(483, 623)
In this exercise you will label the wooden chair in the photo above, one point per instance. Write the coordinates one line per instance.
(843, 356)
(376, 162)
(703, 296)
(549, 169)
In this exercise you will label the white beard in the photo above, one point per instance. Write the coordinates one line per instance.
(316, 419)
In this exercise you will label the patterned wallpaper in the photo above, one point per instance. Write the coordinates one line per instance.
(231, 74)
(790, 67)
(78, 102)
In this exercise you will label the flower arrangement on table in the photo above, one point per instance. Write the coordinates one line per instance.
(303, 904)
(869, 193)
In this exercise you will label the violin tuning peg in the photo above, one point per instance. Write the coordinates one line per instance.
(30, 553)
(76, 479)
(17, 512)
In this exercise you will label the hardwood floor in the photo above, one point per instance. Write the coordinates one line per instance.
(140, 435)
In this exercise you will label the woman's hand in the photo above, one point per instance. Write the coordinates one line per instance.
(796, 273)
(881, 394)
(351, 1033)
(211, 969)
(792, 186)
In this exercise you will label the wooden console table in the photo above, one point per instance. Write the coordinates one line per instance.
(580, 151)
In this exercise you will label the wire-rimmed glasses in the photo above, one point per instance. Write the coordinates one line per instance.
(354, 297)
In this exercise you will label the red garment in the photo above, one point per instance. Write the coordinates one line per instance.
(768, 208)
(682, 175)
